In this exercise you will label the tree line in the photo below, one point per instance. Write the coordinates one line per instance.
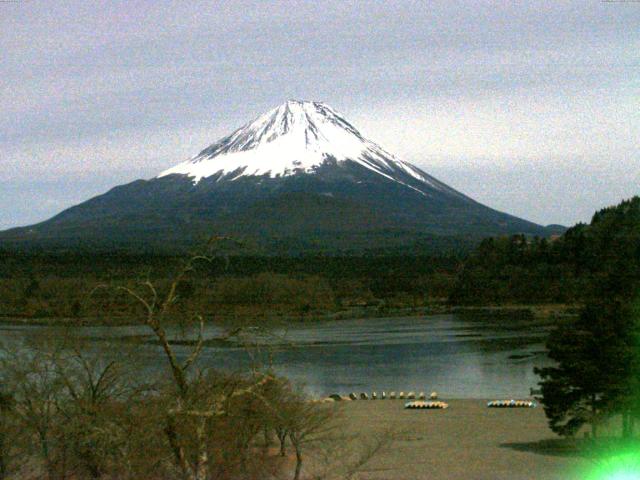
(596, 375)
(563, 269)
(57, 285)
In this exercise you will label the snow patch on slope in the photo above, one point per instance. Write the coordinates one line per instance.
(296, 137)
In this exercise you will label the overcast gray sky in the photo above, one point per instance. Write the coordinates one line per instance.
(529, 107)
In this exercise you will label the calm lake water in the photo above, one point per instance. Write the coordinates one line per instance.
(458, 356)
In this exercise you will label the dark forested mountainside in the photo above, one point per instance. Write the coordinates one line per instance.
(564, 269)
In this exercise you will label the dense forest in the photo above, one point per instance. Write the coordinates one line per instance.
(500, 271)
(595, 378)
(61, 285)
(565, 269)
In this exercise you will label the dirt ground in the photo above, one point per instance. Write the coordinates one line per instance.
(466, 441)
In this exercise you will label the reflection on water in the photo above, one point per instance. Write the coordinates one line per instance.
(456, 356)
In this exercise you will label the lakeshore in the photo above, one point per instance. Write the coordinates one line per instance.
(460, 356)
(465, 441)
(537, 314)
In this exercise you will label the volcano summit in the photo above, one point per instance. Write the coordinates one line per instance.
(299, 177)
(296, 137)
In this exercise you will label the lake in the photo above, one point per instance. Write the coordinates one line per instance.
(456, 355)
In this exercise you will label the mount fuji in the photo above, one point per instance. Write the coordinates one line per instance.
(299, 177)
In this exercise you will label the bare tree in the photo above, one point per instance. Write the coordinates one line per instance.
(276, 395)
(157, 310)
(194, 403)
(6, 434)
(66, 401)
(31, 379)
(315, 431)
(302, 421)
(93, 405)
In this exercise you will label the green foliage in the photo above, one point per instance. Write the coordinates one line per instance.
(517, 270)
(594, 372)
(571, 268)
(598, 355)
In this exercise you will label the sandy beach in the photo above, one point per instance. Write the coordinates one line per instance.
(466, 441)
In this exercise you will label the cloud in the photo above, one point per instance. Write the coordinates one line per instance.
(501, 128)
(117, 89)
(133, 153)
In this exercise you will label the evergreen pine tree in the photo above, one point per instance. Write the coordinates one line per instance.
(597, 371)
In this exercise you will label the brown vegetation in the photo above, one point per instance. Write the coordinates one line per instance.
(69, 412)
(56, 289)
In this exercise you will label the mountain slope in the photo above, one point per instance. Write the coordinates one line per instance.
(299, 174)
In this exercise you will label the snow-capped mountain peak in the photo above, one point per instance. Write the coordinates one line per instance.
(299, 178)
(295, 137)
